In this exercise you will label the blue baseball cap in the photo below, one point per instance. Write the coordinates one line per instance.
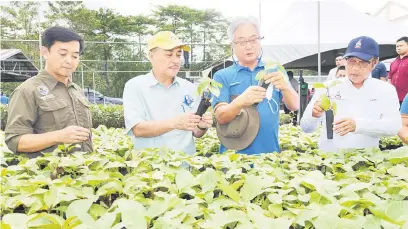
(363, 48)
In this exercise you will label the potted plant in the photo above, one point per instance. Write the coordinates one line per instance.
(328, 105)
(205, 88)
(270, 66)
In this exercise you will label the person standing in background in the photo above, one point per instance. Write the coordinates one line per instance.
(339, 62)
(380, 72)
(398, 75)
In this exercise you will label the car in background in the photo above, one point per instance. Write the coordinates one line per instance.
(96, 97)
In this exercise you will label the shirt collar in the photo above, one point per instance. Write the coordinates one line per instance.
(152, 81)
(365, 83)
(239, 67)
(48, 79)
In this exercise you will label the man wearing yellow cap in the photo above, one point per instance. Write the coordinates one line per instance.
(159, 107)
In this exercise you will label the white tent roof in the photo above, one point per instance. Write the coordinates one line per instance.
(296, 35)
(397, 12)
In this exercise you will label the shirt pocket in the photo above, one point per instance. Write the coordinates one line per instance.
(53, 114)
(85, 115)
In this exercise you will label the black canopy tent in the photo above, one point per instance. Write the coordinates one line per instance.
(15, 66)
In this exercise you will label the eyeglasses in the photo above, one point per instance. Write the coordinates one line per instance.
(353, 63)
(251, 41)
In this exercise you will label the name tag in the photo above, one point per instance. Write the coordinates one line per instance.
(49, 96)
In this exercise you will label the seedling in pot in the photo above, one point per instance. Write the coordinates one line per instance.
(270, 66)
(207, 87)
(328, 105)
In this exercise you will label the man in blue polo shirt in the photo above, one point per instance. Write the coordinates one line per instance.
(380, 72)
(239, 81)
(403, 133)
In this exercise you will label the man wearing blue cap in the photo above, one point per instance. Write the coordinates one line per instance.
(366, 108)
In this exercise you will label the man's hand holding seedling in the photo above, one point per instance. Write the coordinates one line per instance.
(186, 121)
(317, 110)
(277, 79)
(344, 126)
(253, 94)
(206, 121)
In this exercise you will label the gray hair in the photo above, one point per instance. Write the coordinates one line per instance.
(240, 21)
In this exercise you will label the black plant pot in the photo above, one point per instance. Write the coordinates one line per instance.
(203, 106)
(264, 85)
(329, 123)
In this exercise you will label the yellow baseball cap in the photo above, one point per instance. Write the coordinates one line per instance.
(166, 40)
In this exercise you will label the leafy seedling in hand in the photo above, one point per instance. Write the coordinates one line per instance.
(270, 66)
(328, 105)
(207, 87)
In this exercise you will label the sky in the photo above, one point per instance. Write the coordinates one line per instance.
(229, 8)
(268, 12)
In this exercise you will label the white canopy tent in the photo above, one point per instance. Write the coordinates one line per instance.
(394, 11)
(298, 34)
(326, 27)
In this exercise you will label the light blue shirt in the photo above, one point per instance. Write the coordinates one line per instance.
(145, 99)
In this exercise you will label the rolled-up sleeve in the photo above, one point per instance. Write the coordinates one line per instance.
(22, 114)
(224, 96)
(308, 123)
(133, 106)
(390, 122)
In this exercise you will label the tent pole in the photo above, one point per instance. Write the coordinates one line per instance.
(260, 14)
(82, 75)
(319, 65)
(39, 32)
(93, 82)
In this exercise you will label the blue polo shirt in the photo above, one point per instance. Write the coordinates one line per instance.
(404, 106)
(379, 71)
(235, 80)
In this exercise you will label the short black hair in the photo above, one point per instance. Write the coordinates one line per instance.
(339, 54)
(341, 67)
(58, 33)
(403, 39)
(290, 73)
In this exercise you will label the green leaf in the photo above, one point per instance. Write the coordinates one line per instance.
(208, 180)
(184, 179)
(46, 221)
(16, 220)
(133, 213)
(110, 188)
(319, 85)
(260, 75)
(216, 84)
(325, 102)
(97, 211)
(80, 209)
(275, 198)
(106, 221)
(334, 107)
(215, 91)
(252, 187)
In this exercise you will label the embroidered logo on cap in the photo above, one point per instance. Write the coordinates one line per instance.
(358, 44)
